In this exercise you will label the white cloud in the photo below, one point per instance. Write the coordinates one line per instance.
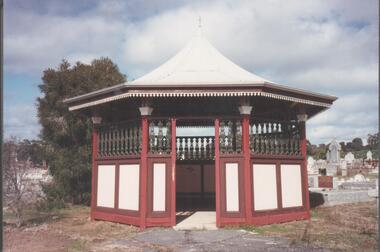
(312, 45)
(354, 115)
(322, 46)
(34, 42)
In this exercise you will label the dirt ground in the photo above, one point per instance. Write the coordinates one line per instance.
(64, 230)
(345, 228)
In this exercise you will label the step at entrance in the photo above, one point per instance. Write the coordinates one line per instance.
(199, 220)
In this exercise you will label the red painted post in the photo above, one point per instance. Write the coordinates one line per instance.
(94, 156)
(302, 125)
(173, 160)
(247, 169)
(217, 173)
(144, 171)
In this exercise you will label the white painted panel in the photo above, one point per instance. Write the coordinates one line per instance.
(159, 187)
(264, 186)
(232, 187)
(106, 186)
(129, 179)
(291, 185)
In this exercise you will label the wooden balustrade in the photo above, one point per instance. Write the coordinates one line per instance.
(195, 148)
(119, 139)
(275, 138)
(160, 136)
(230, 135)
(268, 138)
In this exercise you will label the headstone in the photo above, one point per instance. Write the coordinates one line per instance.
(359, 178)
(313, 181)
(343, 167)
(332, 169)
(336, 182)
(369, 155)
(349, 158)
(310, 161)
(311, 166)
(334, 152)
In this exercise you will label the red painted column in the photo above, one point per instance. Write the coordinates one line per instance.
(173, 165)
(95, 140)
(303, 144)
(247, 169)
(144, 171)
(217, 173)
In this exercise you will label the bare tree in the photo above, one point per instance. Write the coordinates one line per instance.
(15, 179)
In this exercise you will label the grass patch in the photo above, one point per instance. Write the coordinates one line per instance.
(78, 245)
(351, 227)
(317, 214)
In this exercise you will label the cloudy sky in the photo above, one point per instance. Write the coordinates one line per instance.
(323, 46)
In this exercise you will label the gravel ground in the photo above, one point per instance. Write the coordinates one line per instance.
(215, 240)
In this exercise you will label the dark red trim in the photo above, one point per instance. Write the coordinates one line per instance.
(247, 168)
(158, 222)
(304, 166)
(274, 156)
(117, 180)
(164, 155)
(279, 186)
(115, 217)
(279, 218)
(281, 214)
(115, 209)
(95, 177)
(217, 173)
(173, 169)
(267, 219)
(144, 171)
(232, 155)
(225, 221)
(159, 214)
(223, 197)
(94, 156)
(118, 157)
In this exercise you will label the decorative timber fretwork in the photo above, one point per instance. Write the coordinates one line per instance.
(119, 139)
(159, 137)
(230, 135)
(195, 148)
(275, 138)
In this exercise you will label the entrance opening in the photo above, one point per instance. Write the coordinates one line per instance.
(195, 185)
(195, 171)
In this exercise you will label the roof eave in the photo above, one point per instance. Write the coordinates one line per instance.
(299, 91)
(269, 85)
(95, 93)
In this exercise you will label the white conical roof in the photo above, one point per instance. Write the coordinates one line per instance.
(199, 63)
